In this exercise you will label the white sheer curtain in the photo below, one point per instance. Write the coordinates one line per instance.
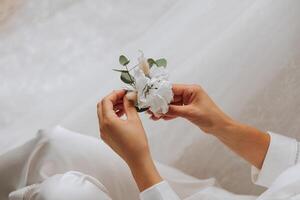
(56, 59)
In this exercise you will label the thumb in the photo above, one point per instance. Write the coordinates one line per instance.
(129, 108)
(175, 110)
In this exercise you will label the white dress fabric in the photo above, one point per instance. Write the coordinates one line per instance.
(59, 151)
(61, 160)
(71, 185)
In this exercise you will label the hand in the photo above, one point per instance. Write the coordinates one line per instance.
(192, 102)
(127, 137)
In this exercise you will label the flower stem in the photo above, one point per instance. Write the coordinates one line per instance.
(134, 67)
(130, 76)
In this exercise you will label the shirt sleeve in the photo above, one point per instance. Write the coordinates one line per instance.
(159, 191)
(283, 152)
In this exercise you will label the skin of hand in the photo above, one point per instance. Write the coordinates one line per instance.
(127, 137)
(192, 103)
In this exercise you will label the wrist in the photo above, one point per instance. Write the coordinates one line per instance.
(144, 173)
(226, 126)
(248, 142)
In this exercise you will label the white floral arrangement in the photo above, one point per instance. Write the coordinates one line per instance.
(147, 84)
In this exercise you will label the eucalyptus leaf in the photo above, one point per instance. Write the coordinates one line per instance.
(123, 60)
(120, 70)
(151, 62)
(141, 109)
(162, 62)
(127, 78)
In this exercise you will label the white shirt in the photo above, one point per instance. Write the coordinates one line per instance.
(280, 173)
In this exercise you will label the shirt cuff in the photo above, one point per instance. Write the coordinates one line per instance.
(159, 191)
(282, 154)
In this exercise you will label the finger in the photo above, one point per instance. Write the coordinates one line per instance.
(177, 98)
(109, 101)
(100, 118)
(99, 112)
(155, 118)
(129, 108)
(188, 95)
(185, 91)
(168, 117)
(179, 103)
(152, 115)
(178, 89)
(149, 112)
(117, 96)
(175, 110)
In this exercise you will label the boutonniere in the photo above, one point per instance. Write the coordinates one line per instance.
(147, 83)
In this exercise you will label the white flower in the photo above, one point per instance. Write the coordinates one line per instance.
(159, 73)
(153, 91)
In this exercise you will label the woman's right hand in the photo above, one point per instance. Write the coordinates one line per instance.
(193, 103)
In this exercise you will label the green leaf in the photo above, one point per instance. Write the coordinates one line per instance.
(123, 60)
(151, 62)
(127, 78)
(120, 70)
(141, 109)
(161, 62)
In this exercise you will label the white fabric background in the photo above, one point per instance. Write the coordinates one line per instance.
(56, 59)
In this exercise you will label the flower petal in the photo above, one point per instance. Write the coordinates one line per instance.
(159, 73)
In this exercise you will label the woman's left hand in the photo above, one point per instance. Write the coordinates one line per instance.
(127, 137)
